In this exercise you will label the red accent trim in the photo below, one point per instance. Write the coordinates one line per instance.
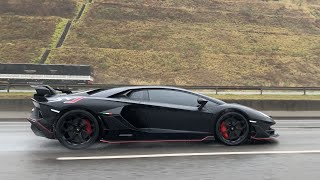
(152, 141)
(74, 100)
(36, 121)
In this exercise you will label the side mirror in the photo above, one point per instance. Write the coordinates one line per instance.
(202, 102)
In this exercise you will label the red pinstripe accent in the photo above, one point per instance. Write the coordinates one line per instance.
(35, 121)
(151, 141)
(74, 100)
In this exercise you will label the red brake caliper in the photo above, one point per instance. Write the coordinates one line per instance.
(88, 126)
(223, 130)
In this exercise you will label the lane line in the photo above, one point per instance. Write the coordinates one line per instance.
(278, 122)
(298, 122)
(297, 127)
(186, 155)
(13, 125)
(276, 127)
(15, 122)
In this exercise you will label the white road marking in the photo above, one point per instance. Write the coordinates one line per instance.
(298, 129)
(277, 121)
(12, 125)
(187, 155)
(14, 122)
(297, 122)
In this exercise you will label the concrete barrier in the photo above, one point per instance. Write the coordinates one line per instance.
(16, 105)
(263, 105)
(280, 105)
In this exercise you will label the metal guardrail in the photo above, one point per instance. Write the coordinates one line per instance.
(8, 87)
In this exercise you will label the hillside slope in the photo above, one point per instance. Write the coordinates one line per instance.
(28, 27)
(189, 42)
(197, 42)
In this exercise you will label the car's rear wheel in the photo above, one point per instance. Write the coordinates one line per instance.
(77, 129)
(232, 128)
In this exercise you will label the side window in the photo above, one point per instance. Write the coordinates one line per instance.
(173, 97)
(211, 105)
(138, 95)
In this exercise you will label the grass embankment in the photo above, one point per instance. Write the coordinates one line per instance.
(28, 95)
(265, 97)
(29, 27)
(184, 42)
(16, 95)
(58, 8)
(172, 42)
(22, 38)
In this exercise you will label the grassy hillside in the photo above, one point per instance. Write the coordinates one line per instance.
(158, 67)
(28, 27)
(22, 38)
(188, 42)
(61, 8)
(177, 42)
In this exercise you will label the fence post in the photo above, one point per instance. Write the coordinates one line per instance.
(304, 91)
(8, 88)
(261, 89)
(216, 91)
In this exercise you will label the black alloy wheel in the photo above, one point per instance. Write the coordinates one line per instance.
(77, 129)
(232, 129)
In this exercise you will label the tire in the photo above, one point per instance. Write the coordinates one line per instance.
(232, 129)
(77, 129)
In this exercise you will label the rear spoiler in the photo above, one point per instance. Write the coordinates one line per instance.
(44, 91)
(66, 91)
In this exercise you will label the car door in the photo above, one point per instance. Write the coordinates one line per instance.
(173, 110)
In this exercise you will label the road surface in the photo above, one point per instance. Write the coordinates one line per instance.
(294, 155)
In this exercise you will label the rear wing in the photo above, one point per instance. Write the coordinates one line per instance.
(44, 91)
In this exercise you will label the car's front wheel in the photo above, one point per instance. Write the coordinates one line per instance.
(232, 128)
(77, 129)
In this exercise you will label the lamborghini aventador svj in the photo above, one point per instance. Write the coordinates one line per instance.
(143, 114)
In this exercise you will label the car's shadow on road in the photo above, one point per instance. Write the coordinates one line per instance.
(181, 146)
(53, 149)
(100, 146)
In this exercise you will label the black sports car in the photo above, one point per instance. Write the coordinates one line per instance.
(143, 114)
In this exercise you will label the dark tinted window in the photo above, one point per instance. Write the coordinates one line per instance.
(173, 97)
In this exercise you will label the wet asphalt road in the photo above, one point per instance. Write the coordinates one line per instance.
(26, 156)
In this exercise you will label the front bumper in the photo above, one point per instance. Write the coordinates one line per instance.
(261, 130)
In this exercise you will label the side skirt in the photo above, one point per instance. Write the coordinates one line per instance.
(207, 138)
